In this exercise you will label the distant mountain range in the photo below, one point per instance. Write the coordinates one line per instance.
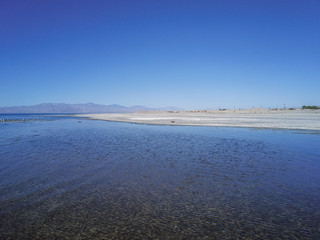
(78, 108)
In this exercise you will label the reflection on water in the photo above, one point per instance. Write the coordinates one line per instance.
(69, 180)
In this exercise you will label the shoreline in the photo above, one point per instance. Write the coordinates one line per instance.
(253, 118)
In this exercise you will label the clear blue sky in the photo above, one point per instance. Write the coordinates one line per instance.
(189, 54)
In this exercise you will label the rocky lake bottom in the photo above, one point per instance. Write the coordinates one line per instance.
(82, 179)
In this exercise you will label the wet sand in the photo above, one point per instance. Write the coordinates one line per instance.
(252, 118)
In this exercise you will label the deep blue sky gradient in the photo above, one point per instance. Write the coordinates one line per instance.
(189, 54)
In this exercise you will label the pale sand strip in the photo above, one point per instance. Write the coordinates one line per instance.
(281, 119)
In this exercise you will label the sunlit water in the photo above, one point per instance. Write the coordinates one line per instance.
(82, 179)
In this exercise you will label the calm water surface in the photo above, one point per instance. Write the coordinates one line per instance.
(71, 179)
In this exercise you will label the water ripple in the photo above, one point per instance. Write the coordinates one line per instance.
(100, 180)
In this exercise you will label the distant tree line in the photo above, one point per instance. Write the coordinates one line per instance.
(310, 107)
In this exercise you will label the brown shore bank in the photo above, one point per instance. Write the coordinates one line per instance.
(252, 118)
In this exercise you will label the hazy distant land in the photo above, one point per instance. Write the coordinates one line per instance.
(77, 108)
(252, 118)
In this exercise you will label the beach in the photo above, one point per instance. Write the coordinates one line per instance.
(252, 118)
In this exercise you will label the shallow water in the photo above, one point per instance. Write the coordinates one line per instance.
(71, 179)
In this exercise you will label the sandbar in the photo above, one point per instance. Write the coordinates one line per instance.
(252, 118)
